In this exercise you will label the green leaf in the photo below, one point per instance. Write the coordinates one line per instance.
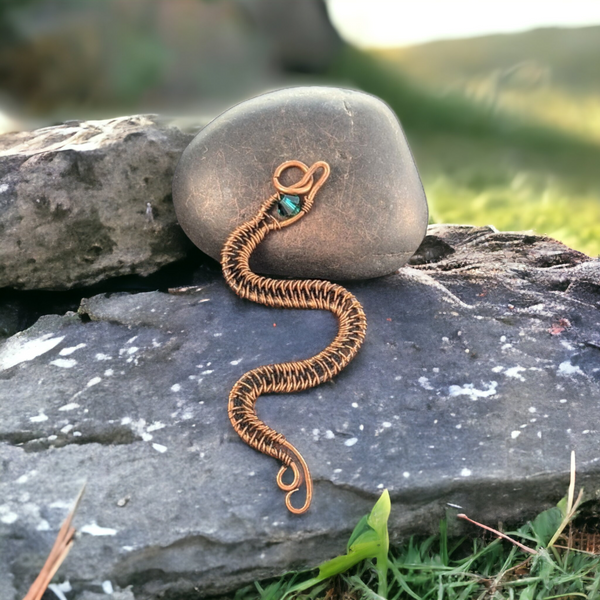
(444, 542)
(545, 525)
(368, 540)
(339, 564)
(562, 506)
(358, 530)
(378, 520)
(380, 514)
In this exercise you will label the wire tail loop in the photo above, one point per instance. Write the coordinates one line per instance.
(301, 476)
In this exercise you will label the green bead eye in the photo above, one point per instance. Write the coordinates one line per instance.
(288, 206)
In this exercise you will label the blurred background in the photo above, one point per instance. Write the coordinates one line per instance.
(500, 101)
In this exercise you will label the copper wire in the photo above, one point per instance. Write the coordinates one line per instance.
(292, 376)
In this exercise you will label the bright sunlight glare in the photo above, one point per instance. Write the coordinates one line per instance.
(390, 23)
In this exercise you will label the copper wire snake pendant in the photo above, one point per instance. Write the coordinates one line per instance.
(292, 202)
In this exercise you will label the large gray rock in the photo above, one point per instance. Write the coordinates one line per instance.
(85, 201)
(368, 218)
(480, 373)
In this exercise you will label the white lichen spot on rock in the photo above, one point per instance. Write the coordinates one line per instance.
(469, 389)
(59, 588)
(71, 349)
(155, 426)
(109, 373)
(329, 435)
(62, 504)
(101, 356)
(514, 372)
(351, 441)
(43, 525)
(25, 478)
(424, 383)
(235, 362)
(466, 472)
(93, 381)
(566, 368)
(159, 448)
(107, 587)
(70, 406)
(94, 529)
(515, 434)
(498, 369)
(7, 515)
(64, 363)
(129, 351)
(176, 387)
(406, 474)
(138, 427)
(19, 349)
(386, 424)
(39, 418)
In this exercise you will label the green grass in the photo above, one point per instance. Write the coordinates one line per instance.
(443, 568)
(479, 183)
(523, 162)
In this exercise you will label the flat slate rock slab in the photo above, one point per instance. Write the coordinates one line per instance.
(479, 375)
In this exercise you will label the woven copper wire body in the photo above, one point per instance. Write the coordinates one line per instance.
(311, 293)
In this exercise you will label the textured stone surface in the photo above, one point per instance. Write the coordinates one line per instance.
(74, 202)
(480, 373)
(368, 218)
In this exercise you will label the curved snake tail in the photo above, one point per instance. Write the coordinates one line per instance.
(301, 476)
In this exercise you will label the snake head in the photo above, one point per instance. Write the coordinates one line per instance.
(294, 201)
